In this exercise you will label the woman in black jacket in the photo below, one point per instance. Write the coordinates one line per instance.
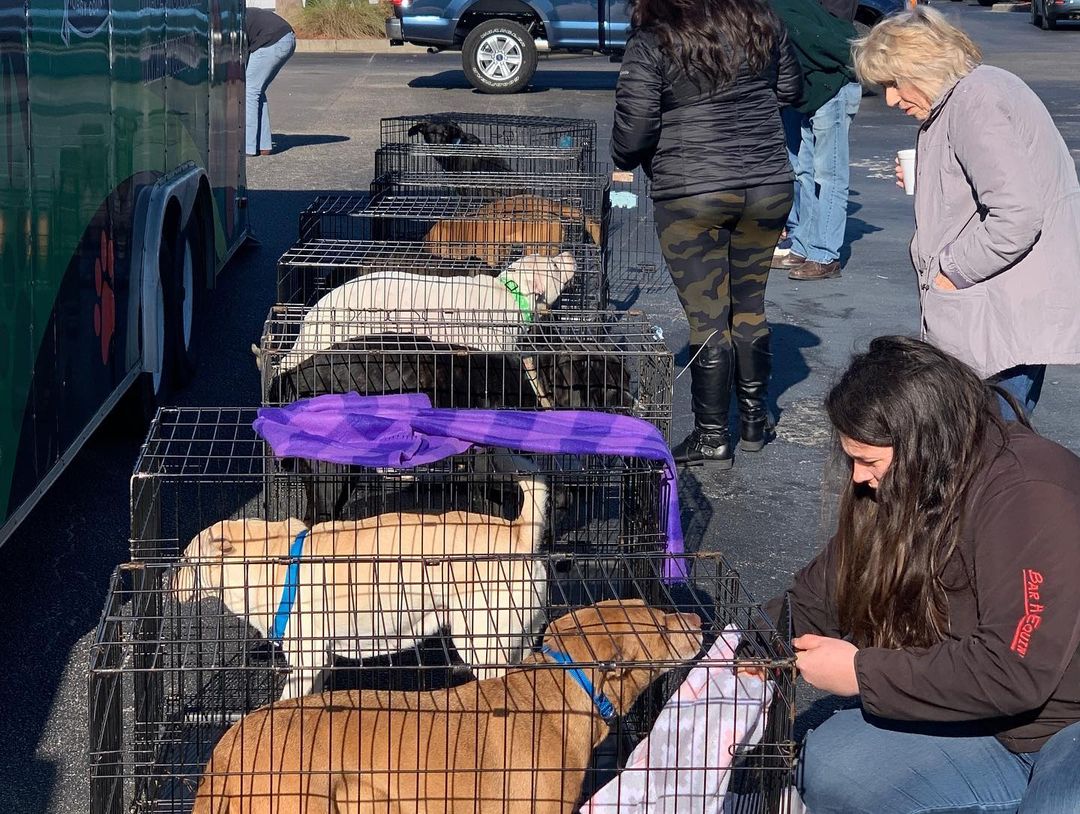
(697, 105)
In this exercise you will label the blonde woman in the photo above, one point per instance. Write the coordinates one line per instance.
(997, 204)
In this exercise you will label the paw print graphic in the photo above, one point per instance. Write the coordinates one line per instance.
(105, 307)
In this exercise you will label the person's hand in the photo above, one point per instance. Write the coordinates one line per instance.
(899, 170)
(944, 283)
(828, 664)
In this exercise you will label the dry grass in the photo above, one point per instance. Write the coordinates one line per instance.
(341, 19)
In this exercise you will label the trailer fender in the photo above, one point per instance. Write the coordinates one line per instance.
(182, 187)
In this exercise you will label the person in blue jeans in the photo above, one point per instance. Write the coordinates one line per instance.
(946, 601)
(271, 41)
(816, 129)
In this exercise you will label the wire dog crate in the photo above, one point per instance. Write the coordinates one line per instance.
(470, 130)
(489, 227)
(313, 268)
(176, 675)
(603, 360)
(481, 158)
(199, 466)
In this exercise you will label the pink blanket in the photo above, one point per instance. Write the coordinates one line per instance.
(684, 765)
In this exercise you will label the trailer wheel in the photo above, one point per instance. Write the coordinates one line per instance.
(192, 263)
(499, 56)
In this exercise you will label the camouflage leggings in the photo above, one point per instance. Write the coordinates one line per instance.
(719, 247)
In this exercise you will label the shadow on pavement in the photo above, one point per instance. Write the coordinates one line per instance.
(286, 141)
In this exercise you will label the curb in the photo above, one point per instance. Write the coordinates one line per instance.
(371, 46)
(1006, 7)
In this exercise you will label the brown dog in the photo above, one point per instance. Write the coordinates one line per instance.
(363, 588)
(526, 224)
(514, 745)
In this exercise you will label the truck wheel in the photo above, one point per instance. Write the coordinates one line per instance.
(499, 56)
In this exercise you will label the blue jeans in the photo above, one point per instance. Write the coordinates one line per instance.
(263, 65)
(818, 148)
(855, 763)
(1024, 383)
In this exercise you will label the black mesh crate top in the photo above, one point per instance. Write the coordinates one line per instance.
(481, 158)
(488, 129)
(313, 268)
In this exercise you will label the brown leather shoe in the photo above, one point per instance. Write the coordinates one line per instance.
(264, 152)
(787, 261)
(810, 270)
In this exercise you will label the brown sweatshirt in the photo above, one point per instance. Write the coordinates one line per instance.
(1009, 662)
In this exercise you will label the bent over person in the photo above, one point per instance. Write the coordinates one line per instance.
(947, 601)
(697, 106)
(271, 42)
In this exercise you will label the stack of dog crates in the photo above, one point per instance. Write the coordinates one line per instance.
(495, 630)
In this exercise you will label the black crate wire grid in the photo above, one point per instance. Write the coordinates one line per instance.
(549, 160)
(506, 130)
(175, 670)
(313, 268)
(582, 360)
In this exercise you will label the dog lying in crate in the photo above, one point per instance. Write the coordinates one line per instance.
(498, 230)
(519, 744)
(363, 588)
(438, 306)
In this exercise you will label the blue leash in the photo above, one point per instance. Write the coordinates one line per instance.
(288, 592)
(602, 702)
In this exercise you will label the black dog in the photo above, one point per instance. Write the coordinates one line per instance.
(448, 132)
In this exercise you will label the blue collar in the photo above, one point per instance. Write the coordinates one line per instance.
(603, 704)
(288, 593)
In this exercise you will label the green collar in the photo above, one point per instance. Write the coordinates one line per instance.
(522, 301)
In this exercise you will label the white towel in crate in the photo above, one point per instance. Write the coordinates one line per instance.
(683, 766)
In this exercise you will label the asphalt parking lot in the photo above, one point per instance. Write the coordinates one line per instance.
(765, 515)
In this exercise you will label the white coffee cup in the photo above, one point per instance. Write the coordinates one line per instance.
(907, 164)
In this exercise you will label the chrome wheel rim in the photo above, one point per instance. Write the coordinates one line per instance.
(499, 57)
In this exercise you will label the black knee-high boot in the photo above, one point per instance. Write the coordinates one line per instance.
(710, 387)
(753, 361)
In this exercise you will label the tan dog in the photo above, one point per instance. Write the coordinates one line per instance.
(521, 223)
(358, 593)
(515, 745)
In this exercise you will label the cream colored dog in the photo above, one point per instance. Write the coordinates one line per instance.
(455, 310)
(379, 585)
(513, 745)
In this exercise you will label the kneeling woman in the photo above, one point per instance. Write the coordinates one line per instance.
(948, 601)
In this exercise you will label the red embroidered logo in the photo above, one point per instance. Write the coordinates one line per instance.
(1033, 610)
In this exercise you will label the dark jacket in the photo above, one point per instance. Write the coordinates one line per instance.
(691, 141)
(1009, 661)
(823, 45)
(263, 28)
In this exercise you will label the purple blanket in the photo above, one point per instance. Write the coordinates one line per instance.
(405, 431)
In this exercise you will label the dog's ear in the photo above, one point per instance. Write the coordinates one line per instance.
(217, 539)
(418, 128)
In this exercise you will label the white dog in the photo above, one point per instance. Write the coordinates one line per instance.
(379, 585)
(454, 310)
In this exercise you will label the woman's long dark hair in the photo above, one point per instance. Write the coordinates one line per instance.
(894, 542)
(710, 39)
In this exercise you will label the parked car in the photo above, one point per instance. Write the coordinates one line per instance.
(500, 40)
(1047, 13)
